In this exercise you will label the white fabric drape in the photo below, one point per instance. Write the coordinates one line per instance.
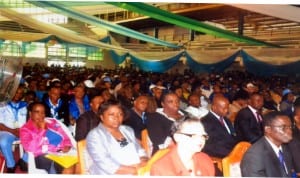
(155, 56)
(61, 32)
(210, 56)
(275, 56)
(22, 36)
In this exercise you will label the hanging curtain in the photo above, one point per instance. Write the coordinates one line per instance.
(257, 67)
(56, 30)
(210, 61)
(150, 63)
(118, 59)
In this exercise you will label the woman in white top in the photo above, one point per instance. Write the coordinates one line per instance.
(113, 147)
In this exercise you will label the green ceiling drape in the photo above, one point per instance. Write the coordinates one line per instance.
(185, 22)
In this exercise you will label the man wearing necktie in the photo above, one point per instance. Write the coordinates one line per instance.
(269, 156)
(249, 121)
(219, 129)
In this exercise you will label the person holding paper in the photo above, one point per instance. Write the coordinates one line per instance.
(112, 147)
(41, 136)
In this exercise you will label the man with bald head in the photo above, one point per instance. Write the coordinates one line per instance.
(249, 121)
(220, 130)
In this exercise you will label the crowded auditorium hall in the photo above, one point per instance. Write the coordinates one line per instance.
(149, 89)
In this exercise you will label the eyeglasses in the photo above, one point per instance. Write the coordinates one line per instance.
(205, 137)
(282, 127)
(123, 142)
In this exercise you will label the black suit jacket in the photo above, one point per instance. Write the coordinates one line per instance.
(260, 160)
(220, 142)
(246, 126)
(136, 123)
(86, 122)
(159, 128)
(294, 146)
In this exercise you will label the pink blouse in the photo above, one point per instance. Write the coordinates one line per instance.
(34, 139)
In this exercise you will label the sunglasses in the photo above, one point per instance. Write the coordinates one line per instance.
(205, 137)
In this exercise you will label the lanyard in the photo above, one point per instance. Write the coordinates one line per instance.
(16, 107)
(54, 108)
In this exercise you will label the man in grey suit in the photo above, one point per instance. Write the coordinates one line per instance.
(269, 156)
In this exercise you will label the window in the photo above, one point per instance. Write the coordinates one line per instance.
(95, 54)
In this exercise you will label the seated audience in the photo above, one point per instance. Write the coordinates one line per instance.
(239, 102)
(222, 137)
(79, 103)
(248, 123)
(89, 119)
(197, 91)
(185, 157)
(269, 103)
(138, 116)
(269, 156)
(56, 106)
(125, 96)
(160, 122)
(156, 92)
(195, 109)
(42, 135)
(287, 101)
(112, 146)
(12, 117)
(179, 92)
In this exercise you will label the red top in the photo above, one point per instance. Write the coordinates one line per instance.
(171, 165)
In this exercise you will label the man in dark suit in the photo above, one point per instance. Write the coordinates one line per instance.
(221, 134)
(269, 157)
(248, 122)
(294, 145)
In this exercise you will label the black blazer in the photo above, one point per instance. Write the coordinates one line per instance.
(260, 160)
(220, 142)
(294, 146)
(136, 123)
(246, 126)
(159, 128)
(86, 122)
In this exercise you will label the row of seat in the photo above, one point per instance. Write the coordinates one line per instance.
(230, 165)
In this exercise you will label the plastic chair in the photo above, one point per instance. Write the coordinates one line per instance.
(145, 171)
(146, 142)
(218, 162)
(18, 143)
(32, 166)
(84, 159)
(231, 163)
